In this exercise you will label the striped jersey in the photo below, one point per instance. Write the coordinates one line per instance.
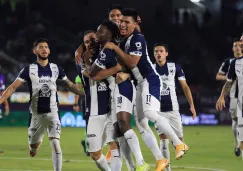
(169, 73)
(42, 86)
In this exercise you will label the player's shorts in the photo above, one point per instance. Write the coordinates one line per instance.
(240, 128)
(124, 98)
(147, 97)
(174, 119)
(97, 127)
(39, 123)
(232, 107)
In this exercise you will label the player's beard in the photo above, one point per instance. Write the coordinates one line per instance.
(42, 58)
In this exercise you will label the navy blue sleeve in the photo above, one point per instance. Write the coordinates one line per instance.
(231, 76)
(24, 74)
(105, 58)
(137, 43)
(224, 67)
(2, 82)
(62, 75)
(179, 73)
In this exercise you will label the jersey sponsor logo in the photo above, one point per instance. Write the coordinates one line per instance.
(102, 87)
(137, 53)
(102, 55)
(138, 45)
(91, 135)
(44, 81)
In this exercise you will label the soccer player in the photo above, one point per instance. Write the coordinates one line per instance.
(2, 88)
(170, 72)
(234, 74)
(222, 76)
(133, 53)
(114, 13)
(41, 77)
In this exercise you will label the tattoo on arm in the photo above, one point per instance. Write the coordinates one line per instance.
(226, 88)
(72, 87)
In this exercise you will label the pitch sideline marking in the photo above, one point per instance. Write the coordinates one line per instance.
(90, 161)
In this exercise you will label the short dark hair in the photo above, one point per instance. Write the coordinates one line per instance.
(40, 40)
(130, 12)
(114, 6)
(236, 40)
(161, 44)
(113, 28)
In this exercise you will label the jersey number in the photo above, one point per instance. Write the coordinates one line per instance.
(148, 99)
(58, 127)
(119, 100)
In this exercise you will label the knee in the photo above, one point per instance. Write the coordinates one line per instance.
(55, 144)
(123, 126)
(95, 155)
(163, 136)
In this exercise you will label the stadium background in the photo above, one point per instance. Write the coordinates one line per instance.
(199, 35)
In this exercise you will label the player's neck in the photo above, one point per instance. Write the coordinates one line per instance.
(161, 63)
(42, 62)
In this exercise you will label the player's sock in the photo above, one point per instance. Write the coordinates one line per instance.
(116, 160)
(133, 143)
(56, 154)
(164, 147)
(102, 164)
(149, 137)
(126, 153)
(235, 133)
(163, 125)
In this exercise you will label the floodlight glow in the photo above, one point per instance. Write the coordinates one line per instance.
(195, 0)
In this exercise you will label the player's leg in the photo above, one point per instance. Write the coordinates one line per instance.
(116, 159)
(151, 106)
(35, 133)
(95, 131)
(233, 104)
(125, 99)
(240, 132)
(53, 124)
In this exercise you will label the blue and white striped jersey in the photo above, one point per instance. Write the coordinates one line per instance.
(2, 88)
(42, 86)
(169, 73)
(136, 45)
(224, 68)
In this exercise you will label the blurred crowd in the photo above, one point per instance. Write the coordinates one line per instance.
(198, 45)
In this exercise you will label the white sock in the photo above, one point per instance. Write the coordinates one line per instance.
(116, 160)
(163, 125)
(56, 154)
(133, 143)
(235, 133)
(126, 153)
(149, 137)
(164, 147)
(102, 164)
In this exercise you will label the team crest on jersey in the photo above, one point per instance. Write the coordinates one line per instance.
(165, 89)
(45, 91)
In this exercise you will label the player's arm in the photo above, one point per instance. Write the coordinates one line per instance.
(188, 94)
(227, 87)
(10, 90)
(221, 75)
(76, 105)
(72, 87)
(6, 107)
(130, 60)
(78, 53)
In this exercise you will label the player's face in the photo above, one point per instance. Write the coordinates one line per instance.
(115, 16)
(42, 50)
(237, 48)
(127, 26)
(102, 34)
(87, 39)
(160, 53)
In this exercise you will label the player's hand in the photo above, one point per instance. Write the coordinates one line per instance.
(194, 113)
(78, 54)
(220, 104)
(76, 108)
(121, 76)
(110, 45)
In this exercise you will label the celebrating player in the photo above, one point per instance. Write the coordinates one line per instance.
(222, 75)
(41, 77)
(169, 73)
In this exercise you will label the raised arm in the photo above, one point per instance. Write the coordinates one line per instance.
(72, 87)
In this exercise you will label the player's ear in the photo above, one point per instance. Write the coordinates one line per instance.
(34, 50)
